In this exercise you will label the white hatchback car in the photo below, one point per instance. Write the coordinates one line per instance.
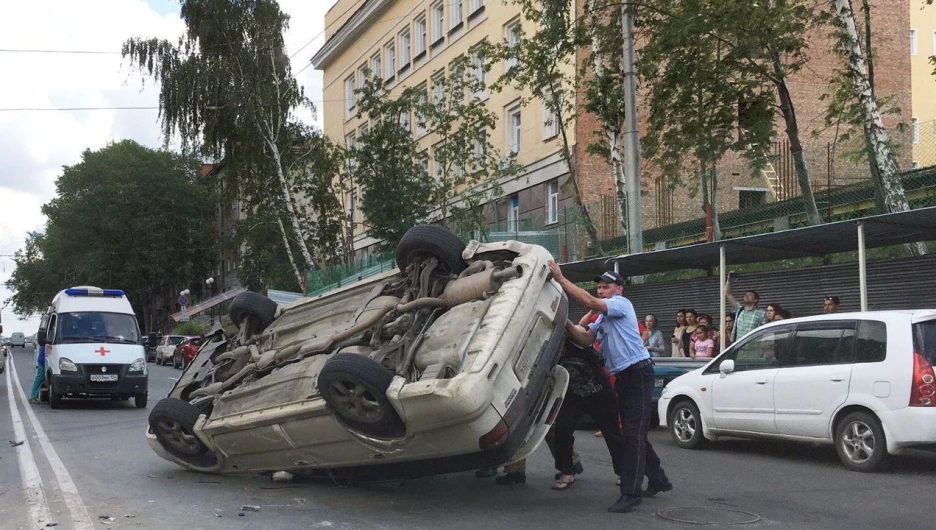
(863, 381)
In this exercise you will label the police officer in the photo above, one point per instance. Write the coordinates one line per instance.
(628, 360)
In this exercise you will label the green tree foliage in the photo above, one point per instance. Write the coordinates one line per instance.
(392, 166)
(226, 86)
(126, 217)
(717, 75)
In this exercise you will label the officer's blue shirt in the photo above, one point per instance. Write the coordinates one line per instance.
(619, 335)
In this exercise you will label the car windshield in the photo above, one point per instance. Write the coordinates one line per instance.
(924, 340)
(93, 326)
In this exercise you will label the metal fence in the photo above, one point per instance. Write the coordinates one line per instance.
(753, 198)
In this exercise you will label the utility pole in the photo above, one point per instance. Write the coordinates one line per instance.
(631, 136)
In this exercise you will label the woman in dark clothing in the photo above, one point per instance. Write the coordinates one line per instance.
(589, 392)
(691, 324)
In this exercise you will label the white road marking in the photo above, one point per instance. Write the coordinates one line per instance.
(79, 512)
(36, 505)
(173, 378)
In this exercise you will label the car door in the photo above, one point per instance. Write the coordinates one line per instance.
(743, 399)
(814, 377)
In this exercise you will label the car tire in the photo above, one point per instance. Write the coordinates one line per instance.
(139, 400)
(172, 421)
(355, 389)
(55, 399)
(860, 442)
(431, 240)
(685, 425)
(255, 305)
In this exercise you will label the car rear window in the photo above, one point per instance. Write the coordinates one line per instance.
(176, 340)
(872, 342)
(924, 340)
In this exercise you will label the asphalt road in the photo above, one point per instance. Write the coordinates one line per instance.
(93, 464)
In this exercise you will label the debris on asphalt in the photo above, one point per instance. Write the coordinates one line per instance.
(282, 476)
(248, 508)
(53, 523)
(129, 516)
(14, 444)
(106, 519)
(240, 514)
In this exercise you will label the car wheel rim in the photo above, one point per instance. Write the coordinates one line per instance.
(858, 442)
(685, 425)
(177, 437)
(355, 399)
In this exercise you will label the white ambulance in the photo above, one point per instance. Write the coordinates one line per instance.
(93, 347)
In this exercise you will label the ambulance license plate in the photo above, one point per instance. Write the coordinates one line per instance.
(103, 378)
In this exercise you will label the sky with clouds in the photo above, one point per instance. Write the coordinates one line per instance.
(35, 144)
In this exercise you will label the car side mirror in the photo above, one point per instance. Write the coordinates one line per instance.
(726, 367)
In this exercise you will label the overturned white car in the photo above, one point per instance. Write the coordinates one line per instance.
(448, 364)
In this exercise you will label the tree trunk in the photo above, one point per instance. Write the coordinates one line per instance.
(292, 259)
(895, 198)
(796, 147)
(290, 208)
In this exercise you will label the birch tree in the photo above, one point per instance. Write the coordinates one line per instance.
(226, 85)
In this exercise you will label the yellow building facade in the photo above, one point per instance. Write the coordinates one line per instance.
(923, 82)
(411, 43)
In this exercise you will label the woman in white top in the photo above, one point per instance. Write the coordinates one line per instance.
(678, 333)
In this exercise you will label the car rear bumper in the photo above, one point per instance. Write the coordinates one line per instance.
(80, 384)
(909, 427)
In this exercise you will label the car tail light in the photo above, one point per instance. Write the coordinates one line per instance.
(923, 387)
(494, 436)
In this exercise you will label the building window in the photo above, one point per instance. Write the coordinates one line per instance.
(475, 5)
(424, 162)
(404, 48)
(438, 21)
(913, 42)
(479, 149)
(751, 198)
(375, 65)
(421, 129)
(350, 144)
(550, 118)
(512, 36)
(552, 201)
(513, 214)
(456, 14)
(420, 35)
(390, 69)
(438, 87)
(350, 97)
(362, 76)
(513, 129)
(406, 122)
(479, 75)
